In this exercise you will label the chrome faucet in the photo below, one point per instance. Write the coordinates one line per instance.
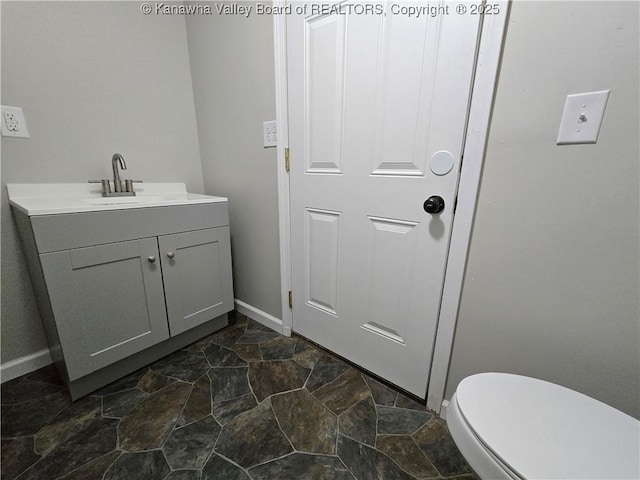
(118, 189)
(117, 183)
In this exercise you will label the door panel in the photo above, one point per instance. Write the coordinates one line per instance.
(322, 263)
(403, 97)
(111, 302)
(324, 94)
(391, 248)
(197, 273)
(371, 99)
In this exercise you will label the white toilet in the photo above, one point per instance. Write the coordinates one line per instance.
(514, 427)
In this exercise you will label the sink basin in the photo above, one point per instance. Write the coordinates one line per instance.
(56, 198)
(111, 200)
(141, 199)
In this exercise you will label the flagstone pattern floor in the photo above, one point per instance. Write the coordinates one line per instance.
(244, 403)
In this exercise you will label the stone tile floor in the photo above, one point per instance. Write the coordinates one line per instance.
(244, 403)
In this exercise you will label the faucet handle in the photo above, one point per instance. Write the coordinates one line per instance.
(106, 185)
(128, 185)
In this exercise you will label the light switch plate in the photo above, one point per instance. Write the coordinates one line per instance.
(13, 122)
(270, 134)
(582, 118)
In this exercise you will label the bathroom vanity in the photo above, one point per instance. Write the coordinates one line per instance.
(122, 282)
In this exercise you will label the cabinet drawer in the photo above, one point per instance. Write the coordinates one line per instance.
(75, 230)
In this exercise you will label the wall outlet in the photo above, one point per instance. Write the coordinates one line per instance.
(270, 134)
(13, 122)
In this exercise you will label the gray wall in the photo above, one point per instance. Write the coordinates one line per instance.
(233, 83)
(93, 78)
(551, 287)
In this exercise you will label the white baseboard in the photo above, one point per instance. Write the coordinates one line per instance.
(261, 317)
(23, 365)
(30, 363)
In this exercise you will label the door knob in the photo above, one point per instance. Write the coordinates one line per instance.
(151, 259)
(434, 204)
(171, 254)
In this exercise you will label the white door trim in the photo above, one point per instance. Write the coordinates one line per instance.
(486, 76)
(482, 96)
(282, 120)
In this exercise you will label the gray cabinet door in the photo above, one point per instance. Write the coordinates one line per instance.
(108, 302)
(196, 268)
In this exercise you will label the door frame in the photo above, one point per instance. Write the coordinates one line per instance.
(488, 57)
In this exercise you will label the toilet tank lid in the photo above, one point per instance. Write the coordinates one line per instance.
(545, 431)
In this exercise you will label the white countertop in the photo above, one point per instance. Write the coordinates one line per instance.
(54, 198)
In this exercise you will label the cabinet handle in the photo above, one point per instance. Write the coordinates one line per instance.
(171, 254)
(151, 259)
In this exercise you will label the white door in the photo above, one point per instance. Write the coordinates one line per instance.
(377, 112)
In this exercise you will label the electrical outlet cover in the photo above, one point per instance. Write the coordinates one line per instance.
(13, 122)
(270, 133)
